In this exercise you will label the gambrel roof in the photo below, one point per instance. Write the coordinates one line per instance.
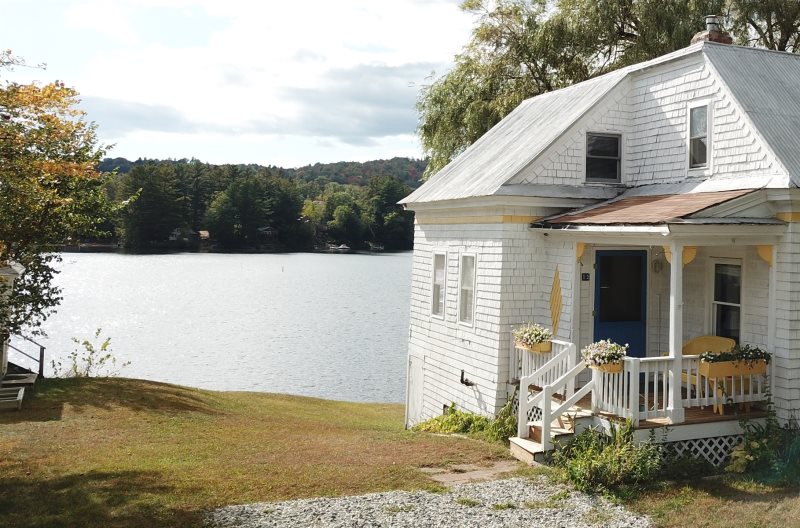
(764, 84)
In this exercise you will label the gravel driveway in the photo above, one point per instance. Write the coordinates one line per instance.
(499, 503)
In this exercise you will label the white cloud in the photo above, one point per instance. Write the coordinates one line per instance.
(344, 72)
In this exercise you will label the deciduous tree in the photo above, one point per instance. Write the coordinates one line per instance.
(50, 189)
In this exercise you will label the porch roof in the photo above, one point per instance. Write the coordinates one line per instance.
(646, 210)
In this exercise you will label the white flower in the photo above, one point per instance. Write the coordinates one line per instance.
(532, 334)
(603, 352)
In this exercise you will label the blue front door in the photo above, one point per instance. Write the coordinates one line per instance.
(620, 312)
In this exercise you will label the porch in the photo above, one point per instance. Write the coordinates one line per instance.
(697, 414)
(654, 272)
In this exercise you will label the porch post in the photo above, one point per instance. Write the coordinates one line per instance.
(675, 405)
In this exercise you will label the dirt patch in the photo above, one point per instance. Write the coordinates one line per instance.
(462, 473)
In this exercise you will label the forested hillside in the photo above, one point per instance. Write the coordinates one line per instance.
(253, 207)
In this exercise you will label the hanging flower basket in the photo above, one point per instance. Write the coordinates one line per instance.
(544, 347)
(533, 337)
(724, 369)
(604, 355)
(744, 360)
(609, 368)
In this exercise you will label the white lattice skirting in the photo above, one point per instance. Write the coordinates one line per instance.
(716, 450)
(534, 414)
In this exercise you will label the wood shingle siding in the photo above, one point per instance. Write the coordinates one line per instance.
(498, 200)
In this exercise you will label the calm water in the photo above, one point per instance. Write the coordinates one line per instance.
(333, 326)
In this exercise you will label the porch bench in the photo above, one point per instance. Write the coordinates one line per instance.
(12, 397)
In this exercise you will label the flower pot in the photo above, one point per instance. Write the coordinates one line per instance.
(608, 368)
(724, 369)
(545, 347)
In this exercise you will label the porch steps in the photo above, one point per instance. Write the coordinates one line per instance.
(19, 380)
(530, 450)
(526, 450)
(11, 398)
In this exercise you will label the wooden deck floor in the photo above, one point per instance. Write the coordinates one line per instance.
(692, 415)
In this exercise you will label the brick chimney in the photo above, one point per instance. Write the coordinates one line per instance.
(713, 32)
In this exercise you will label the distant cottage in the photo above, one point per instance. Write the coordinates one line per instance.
(657, 206)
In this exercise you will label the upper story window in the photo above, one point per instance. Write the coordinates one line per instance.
(698, 137)
(466, 287)
(438, 290)
(602, 158)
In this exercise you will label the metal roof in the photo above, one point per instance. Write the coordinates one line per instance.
(658, 209)
(766, 86)
(520, 137)
(514, 142)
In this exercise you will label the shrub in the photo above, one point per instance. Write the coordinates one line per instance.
(594, 461)
(454, 421)
(770, 451)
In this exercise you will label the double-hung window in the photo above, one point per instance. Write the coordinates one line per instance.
(438, 284)
(466, 289)
(726, 304)
(698, 137)
(602, 158)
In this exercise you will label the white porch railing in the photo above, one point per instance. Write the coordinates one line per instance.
(639, 392)
(523, 362)
(701, 391)
(537, 389)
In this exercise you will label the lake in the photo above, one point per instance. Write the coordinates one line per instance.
(327, 325)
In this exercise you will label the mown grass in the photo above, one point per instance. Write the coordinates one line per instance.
(725, 501)
(122, 452)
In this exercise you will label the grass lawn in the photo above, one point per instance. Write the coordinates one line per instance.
(123, 452)
(725, 501)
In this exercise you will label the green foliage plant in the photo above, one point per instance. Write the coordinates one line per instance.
(454, 421)
(89, 359)
(504, 424)
(745, 353)
(769, 451)
(595, 461)
(530, 334)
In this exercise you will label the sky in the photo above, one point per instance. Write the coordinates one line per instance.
(242, 81)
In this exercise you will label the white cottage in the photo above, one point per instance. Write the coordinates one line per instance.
(650, 205)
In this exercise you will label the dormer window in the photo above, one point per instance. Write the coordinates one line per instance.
(602, 158)
(698, 137)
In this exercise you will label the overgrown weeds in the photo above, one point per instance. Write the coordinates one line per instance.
(89, 359)
(770, 452)
(455, 421)
(595, 461)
